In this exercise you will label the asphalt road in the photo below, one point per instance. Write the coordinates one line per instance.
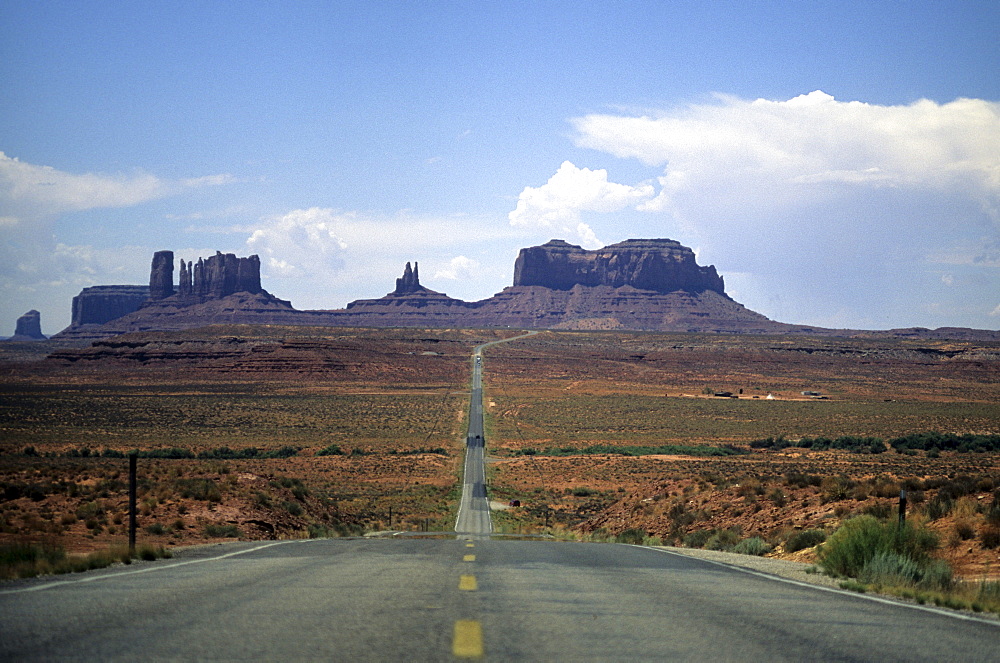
(428, 600)
(473, 520)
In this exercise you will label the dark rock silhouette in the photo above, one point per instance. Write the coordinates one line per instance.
(99, 304)
(218, 276)
(29, 327)
(659, 265)
(638, 284)
(409, 282)
(161, 275)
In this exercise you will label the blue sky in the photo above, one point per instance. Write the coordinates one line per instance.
(839, 162)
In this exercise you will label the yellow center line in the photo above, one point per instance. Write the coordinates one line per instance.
(468, 641)
(469, 558)
(467, 583)
(470, 545)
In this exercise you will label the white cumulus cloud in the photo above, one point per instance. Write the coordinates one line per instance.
(458, 268)
(778, 152)
(559, 203)
(300, 243)
(31, 192)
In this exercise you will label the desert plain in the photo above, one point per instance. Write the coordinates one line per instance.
(261, 432)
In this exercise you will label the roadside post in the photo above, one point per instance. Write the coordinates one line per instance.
(902, 506)
(131, 502)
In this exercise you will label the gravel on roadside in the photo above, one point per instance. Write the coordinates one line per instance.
(783, 568)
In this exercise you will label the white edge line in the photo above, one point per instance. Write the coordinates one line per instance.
(158, 567)
(834, 590)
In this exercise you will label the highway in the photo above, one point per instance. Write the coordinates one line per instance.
(473, 520)
(440, 600)
(463, 597)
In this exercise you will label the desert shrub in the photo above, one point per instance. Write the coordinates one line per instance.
(639, 450)
(441, 451)
(149, 552)
(800, 480)
(852, 443)
(989, 536)
(199, 489)
(294, 508)
(752, 546)
(635, 535)
(679, 515)
(225, 453)
(156, 528)
(90, 510)
(860, 539)
(993, 510)
(880, 510)
(723, 539)
(34, 492)
(582, 491)
(697, 538)
(890, 569)
(332, 450)
(835, 489)
(299, 490)
(778, 497)
(171, 453)
(940, 505)
(968, 443)
(885, 488)
(964, 530)
(989, 591)
(23, 560)
(221, 531)
(807, 538)
(775, 443)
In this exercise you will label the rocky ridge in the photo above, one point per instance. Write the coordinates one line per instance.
(637, 284)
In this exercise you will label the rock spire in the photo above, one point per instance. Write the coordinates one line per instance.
(29, 327)
(409, 282)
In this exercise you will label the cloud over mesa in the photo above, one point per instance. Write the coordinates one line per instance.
(790, 147)
(559, 203)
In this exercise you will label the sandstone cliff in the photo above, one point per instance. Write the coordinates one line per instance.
(658, 265)
(221, 288)
(99, 304)
(29, 327)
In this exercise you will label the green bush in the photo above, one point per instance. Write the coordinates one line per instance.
(199, 489)
(332, 450)
(807, 538)
(940, 506)
(723, 539)
(636, 536)
(219, 531)
(697, 538)
(862, 538)
(752, 546)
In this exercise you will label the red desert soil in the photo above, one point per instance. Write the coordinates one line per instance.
(393, 402)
